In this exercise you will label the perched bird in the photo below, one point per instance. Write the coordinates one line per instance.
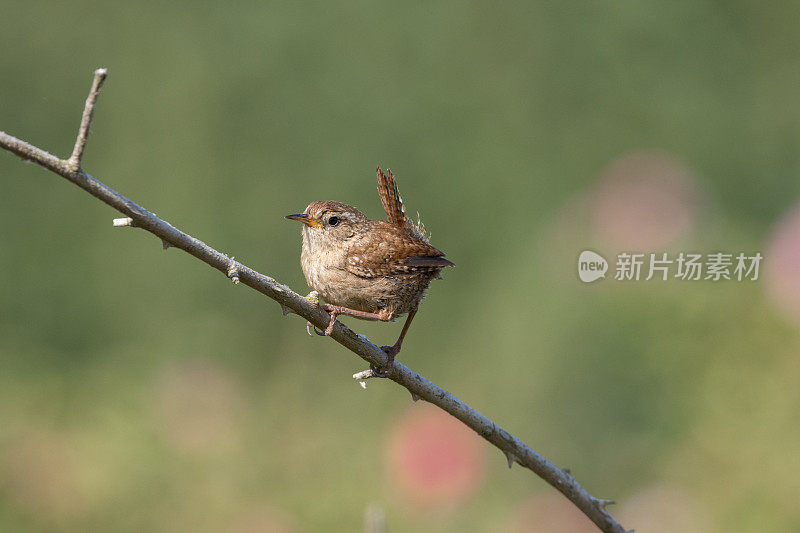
(368, 269)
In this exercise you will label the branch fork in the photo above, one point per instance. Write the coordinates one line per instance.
(420, 388)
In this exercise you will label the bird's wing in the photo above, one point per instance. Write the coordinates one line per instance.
(390, 198)
(376, 255)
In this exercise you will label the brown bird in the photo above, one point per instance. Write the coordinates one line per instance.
(368, 269)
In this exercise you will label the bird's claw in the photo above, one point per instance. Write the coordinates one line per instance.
(328, 330)
(390, 351)
(313, 297)
(310, 326)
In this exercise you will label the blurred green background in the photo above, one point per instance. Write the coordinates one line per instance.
(141, 390)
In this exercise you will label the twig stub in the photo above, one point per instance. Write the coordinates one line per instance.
(123, 222)
(74, 161)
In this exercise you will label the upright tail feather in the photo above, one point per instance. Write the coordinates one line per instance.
(390, 198)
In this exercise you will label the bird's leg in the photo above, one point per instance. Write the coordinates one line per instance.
(392, 351)
(336, 310)
(385, 316)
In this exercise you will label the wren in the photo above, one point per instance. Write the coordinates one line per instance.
(368, 269)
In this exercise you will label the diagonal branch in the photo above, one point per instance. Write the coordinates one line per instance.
(514, 449)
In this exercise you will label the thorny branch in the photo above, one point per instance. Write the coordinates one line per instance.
(514, 449)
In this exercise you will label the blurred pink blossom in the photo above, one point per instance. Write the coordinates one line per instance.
(782, 266)
(433, 459)
(643, 202)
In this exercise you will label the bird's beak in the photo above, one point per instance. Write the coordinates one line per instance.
(305, 219)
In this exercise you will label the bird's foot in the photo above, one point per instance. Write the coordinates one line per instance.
(313, 297)
(336, 310)
(329, 329)
(391, 352)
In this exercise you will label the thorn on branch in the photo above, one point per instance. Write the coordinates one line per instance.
(414, 397)
(285, 310)
(511, 458)
(603, 503)
(165, 245)
(124, 222)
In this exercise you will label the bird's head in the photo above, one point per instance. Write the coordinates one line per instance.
(330, 222)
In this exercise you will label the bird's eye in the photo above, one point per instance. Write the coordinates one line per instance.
(333, 221)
